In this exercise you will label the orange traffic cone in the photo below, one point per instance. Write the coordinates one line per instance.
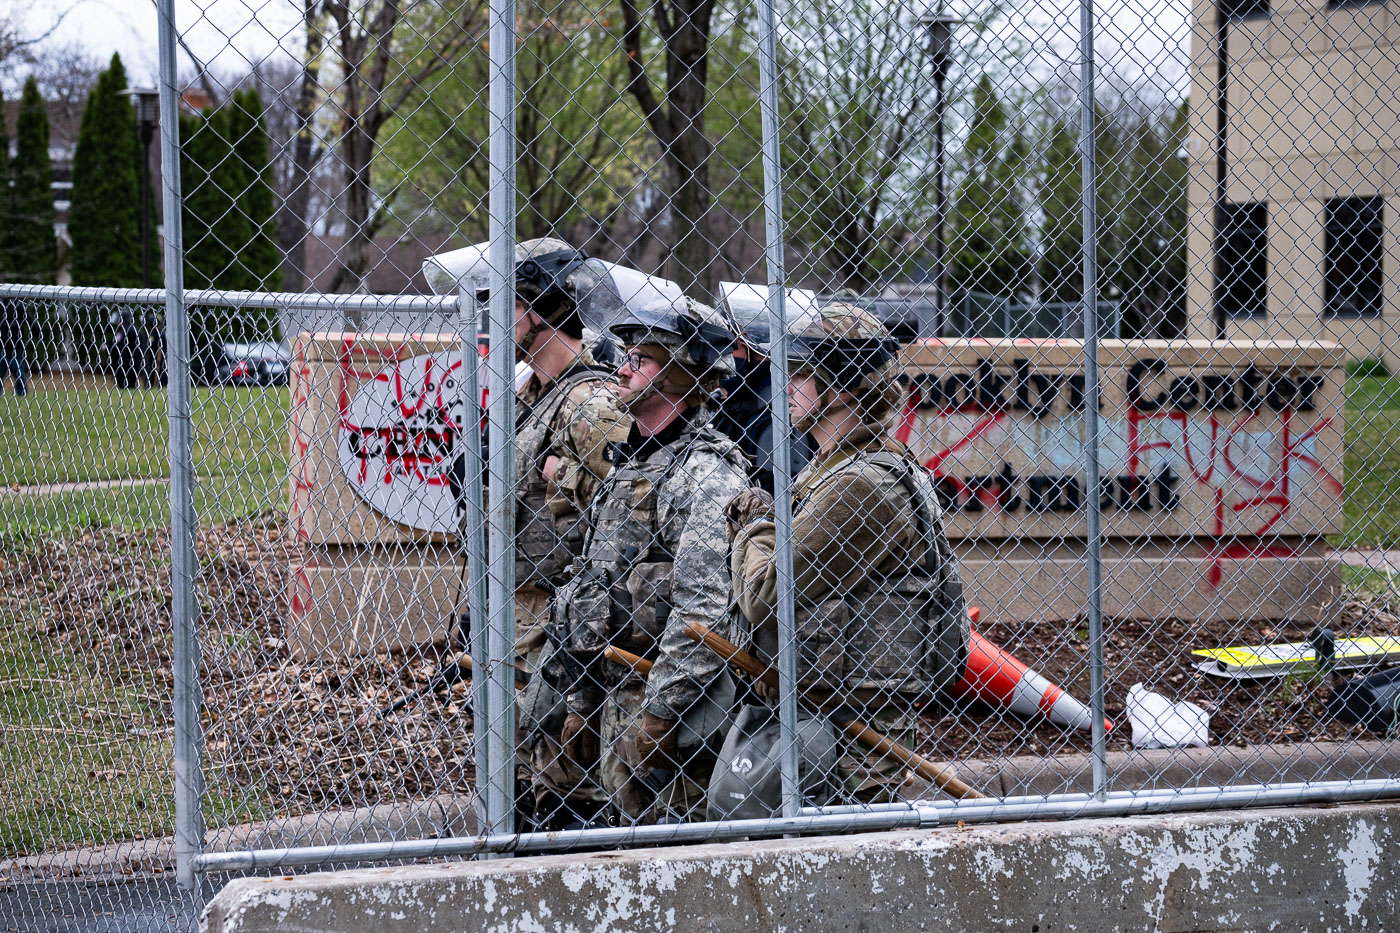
(998, 679)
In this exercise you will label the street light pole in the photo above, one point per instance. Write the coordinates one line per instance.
(146, 102)
(940, 50)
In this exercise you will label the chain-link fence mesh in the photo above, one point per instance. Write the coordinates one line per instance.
(599, 582)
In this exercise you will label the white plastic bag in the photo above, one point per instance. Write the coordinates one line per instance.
(1159, 723)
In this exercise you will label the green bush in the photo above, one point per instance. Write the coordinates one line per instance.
(1368, 368)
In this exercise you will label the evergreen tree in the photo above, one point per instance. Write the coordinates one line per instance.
(203, 149)
(1061, 262)
(104, 221)
(232, 178)
(260, 258)
(35, 256)
(989, 250)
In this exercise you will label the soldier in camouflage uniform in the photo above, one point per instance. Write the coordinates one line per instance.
(881, 624)
(567, 417)
(655, 560)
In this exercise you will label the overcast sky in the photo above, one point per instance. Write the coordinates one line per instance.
(1143, 36)
(232, 34)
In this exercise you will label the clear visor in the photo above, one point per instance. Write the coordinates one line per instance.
(747, 307)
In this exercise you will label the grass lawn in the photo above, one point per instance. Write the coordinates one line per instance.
(97, 434)
(1372, 464)
(85, 749)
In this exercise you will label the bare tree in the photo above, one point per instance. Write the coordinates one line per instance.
(677, 120)
(380, 57)
(291, 92)
(65, 75)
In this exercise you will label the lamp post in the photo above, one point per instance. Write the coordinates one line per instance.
(940, 51)
(146, 102)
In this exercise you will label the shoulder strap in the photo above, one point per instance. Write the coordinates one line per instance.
(920, 494)
(546, 407)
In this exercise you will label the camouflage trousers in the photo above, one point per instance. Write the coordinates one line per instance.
(643, 795)
(541, 761)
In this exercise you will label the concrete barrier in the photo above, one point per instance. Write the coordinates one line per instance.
(1296, 869)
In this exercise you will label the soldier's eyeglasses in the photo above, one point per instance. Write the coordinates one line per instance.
(635, 357)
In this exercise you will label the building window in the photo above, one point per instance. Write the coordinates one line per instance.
(1243, 9)
(1352, 257)
(1242, 259)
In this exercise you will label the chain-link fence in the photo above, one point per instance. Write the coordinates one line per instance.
(877, 416)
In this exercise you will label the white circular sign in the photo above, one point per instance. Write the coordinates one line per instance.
(398, 439)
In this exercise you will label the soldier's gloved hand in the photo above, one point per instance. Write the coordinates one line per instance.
(747, 506)
(579, 741)
(656, 741)
(765, 693)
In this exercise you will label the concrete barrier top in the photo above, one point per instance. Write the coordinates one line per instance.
(1303, 868)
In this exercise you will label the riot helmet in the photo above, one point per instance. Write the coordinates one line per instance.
(848, 351)
(695, 339)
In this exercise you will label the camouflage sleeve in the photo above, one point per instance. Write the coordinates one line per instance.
(842, 535)
(587, 424)
(694, 498)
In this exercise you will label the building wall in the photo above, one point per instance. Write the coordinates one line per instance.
(1313, 113)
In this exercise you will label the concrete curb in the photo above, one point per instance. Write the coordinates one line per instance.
(445, 815)
(1317, 869)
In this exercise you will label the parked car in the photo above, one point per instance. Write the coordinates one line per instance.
(259, 363)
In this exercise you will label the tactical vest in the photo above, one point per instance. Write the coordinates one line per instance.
(903, 633)
(622, 593)
(545, 543)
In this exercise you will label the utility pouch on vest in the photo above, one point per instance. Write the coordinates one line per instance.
(587, 600)
(822, 634)
(648, 587)
(541, 706)
(545, 543)
(747, 781)
(888, 644)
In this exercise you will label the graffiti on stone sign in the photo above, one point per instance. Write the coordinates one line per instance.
(1219, 452)
(397, 440)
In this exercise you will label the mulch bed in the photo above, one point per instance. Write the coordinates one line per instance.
(282, 735)
(1157, 654)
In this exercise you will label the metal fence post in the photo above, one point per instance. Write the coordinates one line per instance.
(184, 607)
(471, 539)
(501, 619)
(782, 431)
(1092, 514)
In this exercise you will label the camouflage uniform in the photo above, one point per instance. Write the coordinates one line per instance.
(881, 623)
(654, 562)
(574, 418)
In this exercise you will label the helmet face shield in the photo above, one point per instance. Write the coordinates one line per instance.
(747, 307)
(846, 361)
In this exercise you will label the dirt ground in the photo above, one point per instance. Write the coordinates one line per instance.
(285, 735)
(1157, 654)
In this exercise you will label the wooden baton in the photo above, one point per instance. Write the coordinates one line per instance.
(940, 776)
(627, 659)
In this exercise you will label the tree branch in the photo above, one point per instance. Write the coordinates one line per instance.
(637, 82)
